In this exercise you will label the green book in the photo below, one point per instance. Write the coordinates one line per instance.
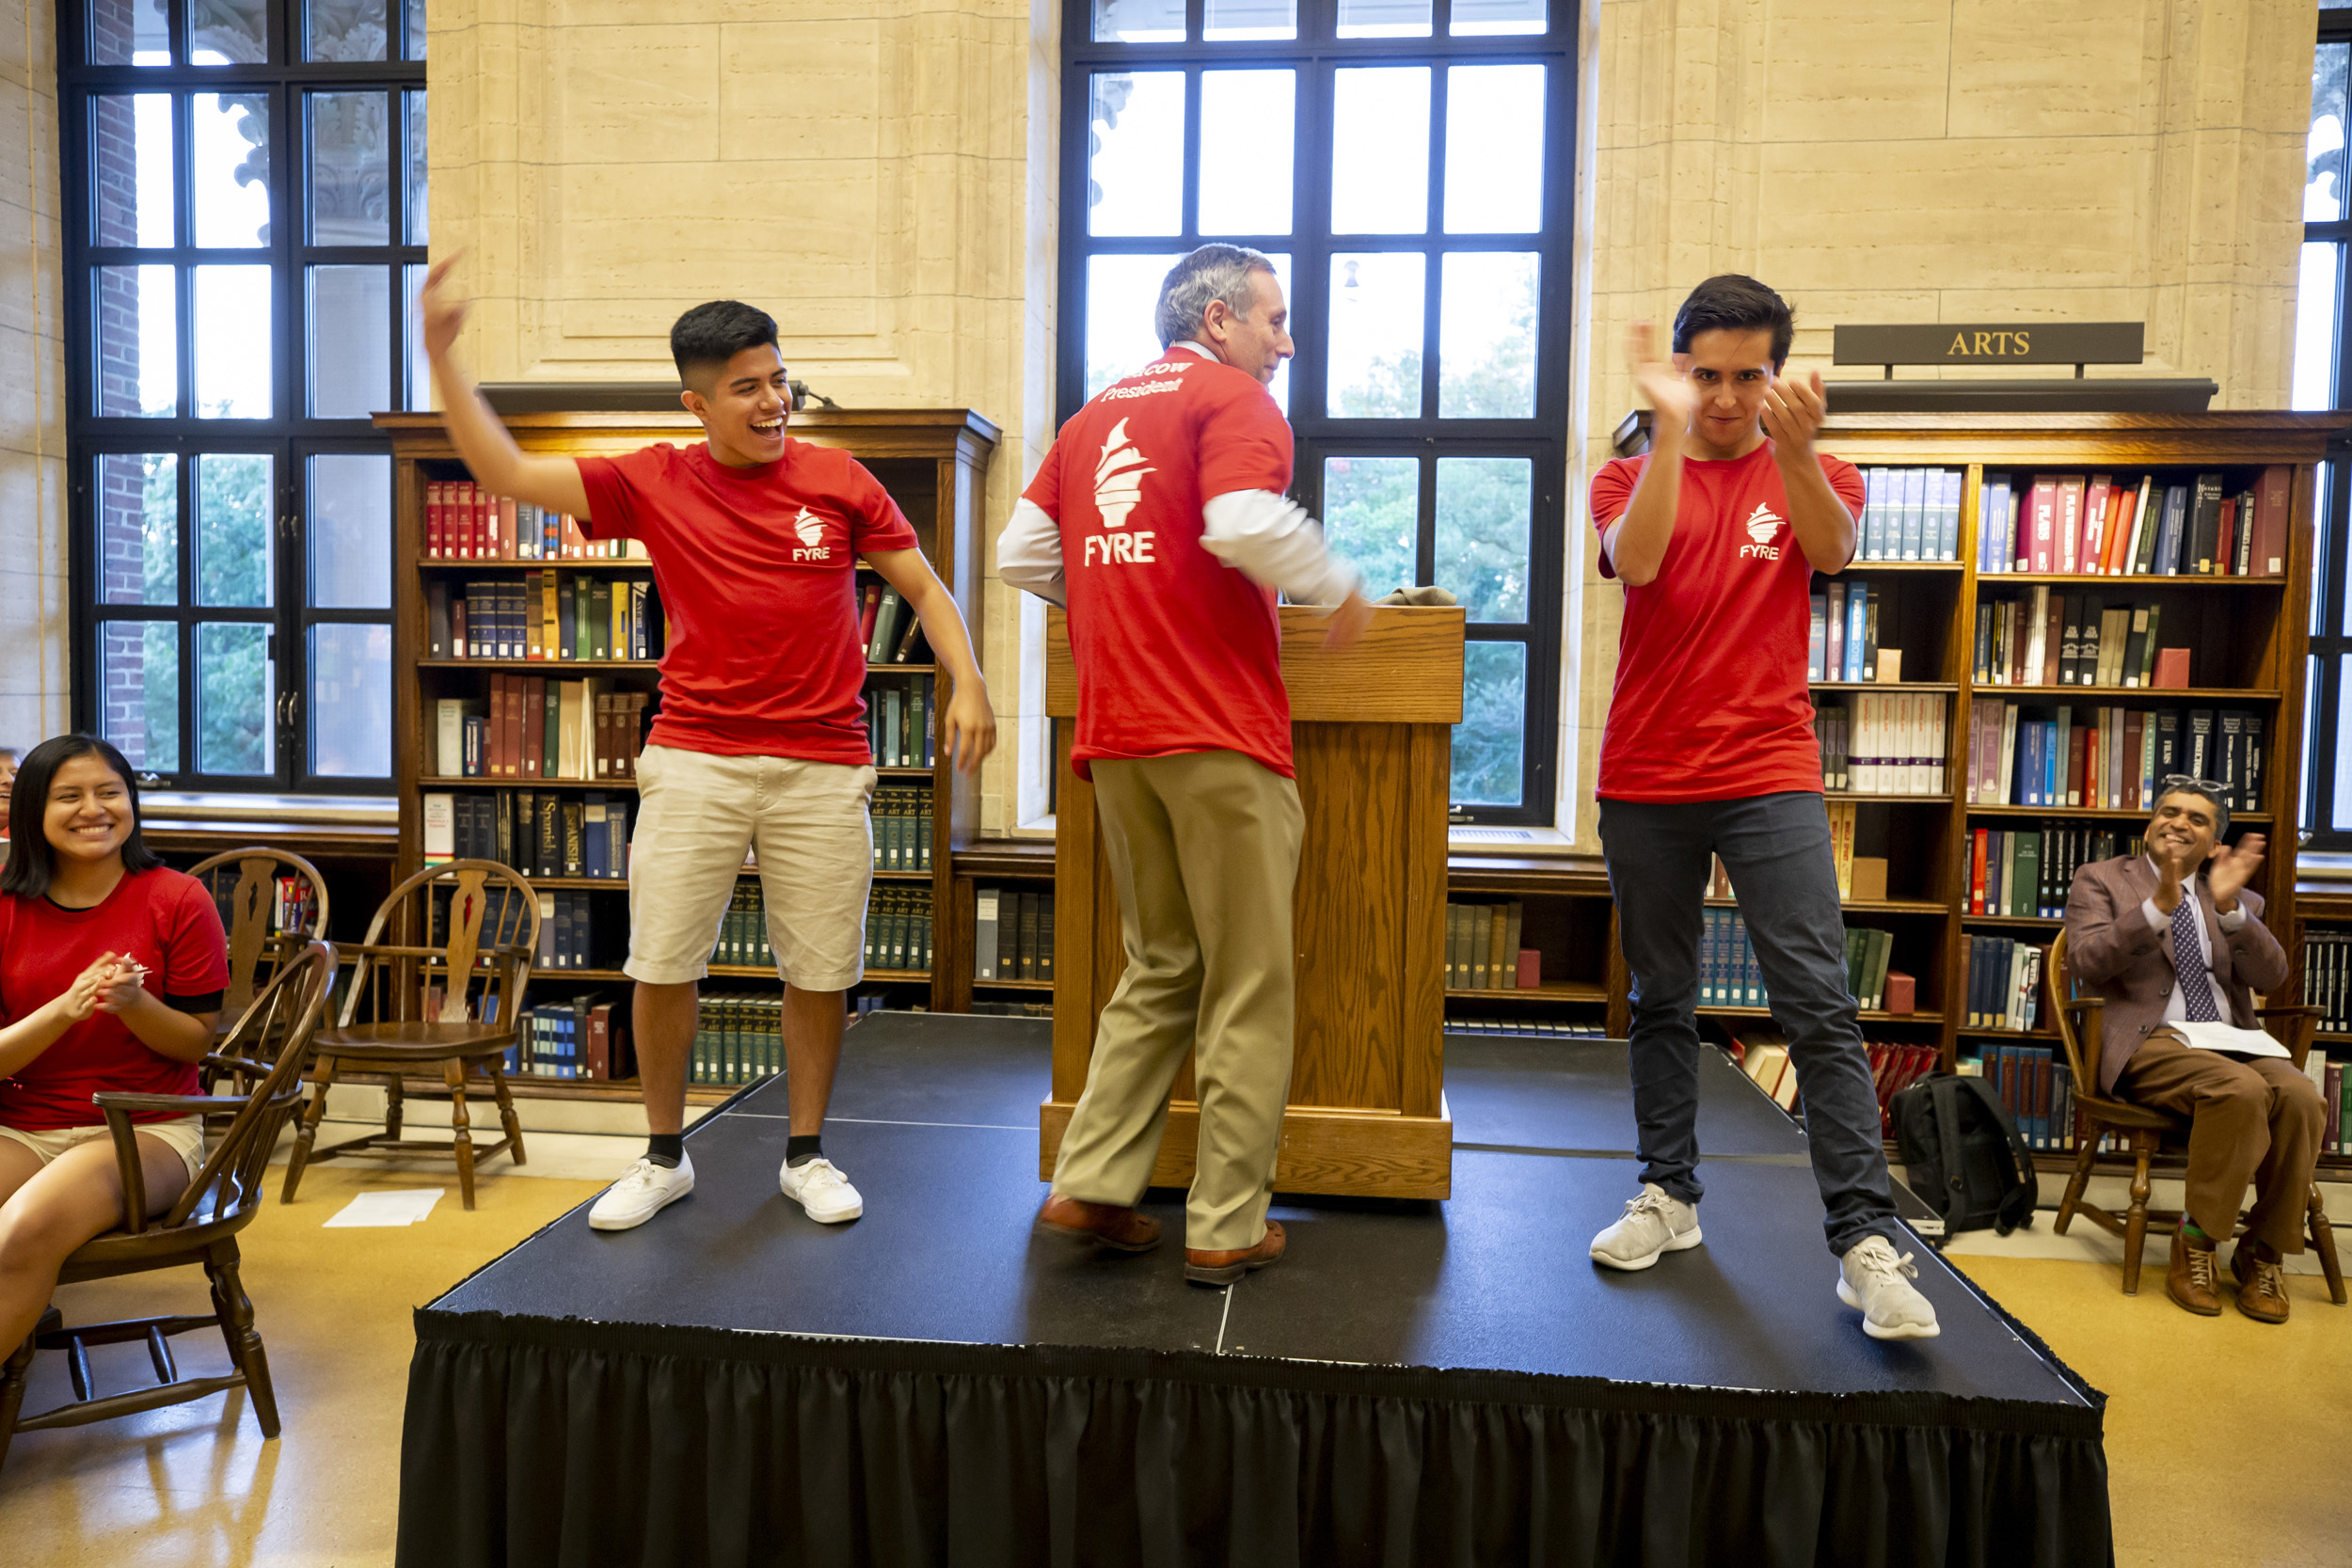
(2148, 649)
(2028, 881)
(600, 618)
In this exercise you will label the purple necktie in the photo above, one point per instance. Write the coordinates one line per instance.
(2188, 957)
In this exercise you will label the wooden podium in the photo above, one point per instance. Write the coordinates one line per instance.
(1372, 736)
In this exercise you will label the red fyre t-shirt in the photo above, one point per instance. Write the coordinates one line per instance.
(163, 919)
(757, 572)
(1711, 702)
(1175, 650)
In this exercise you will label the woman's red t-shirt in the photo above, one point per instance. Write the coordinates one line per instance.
(163, 919)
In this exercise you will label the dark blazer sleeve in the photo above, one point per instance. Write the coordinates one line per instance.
(2106, 936)
(2256, 956)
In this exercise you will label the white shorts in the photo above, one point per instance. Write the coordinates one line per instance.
(183, 1134)
(698, 814)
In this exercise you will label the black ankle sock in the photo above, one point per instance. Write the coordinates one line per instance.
(666, 1149)
(800, 1152)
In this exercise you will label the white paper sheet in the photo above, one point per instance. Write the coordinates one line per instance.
(2230, 1041)
(404, 1207)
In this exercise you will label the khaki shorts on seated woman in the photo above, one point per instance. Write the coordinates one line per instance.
(112, 968)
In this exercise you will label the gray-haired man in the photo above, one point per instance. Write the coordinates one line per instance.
(1151, 493)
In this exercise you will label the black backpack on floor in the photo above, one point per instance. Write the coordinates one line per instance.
(1965, 1158)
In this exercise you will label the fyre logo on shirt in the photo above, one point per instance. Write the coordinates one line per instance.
(811, 528)
(1761, 524)
(1118, 489)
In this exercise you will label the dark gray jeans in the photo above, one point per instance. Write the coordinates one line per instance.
(1777, 849)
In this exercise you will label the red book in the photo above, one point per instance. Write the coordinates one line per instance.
(2043, 510)
(2225, 544)
(2135, 738)
(1530, 975)
(1902, 992)
(2116, 537)
(2171, 670)
(534, 689)
(494, 765)
(508, 551)
(867, 612)
(596, 1051)
(2274, 500)
(2053, 640)
(433, 519)
(2094, 522)
(486, 514)
(2094, 779)
(1976, 869)
(2069, 524)
(2076, 741)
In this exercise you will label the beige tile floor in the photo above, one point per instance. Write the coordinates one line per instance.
(2230, 1443)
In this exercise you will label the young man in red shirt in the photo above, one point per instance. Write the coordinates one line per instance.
(759, 741)
(1152, 494)
(1710, 749)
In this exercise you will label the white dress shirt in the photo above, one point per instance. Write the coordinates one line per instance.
(1270, 538)
(2176, 1010)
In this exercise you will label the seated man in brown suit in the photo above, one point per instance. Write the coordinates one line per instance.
(2165, 948)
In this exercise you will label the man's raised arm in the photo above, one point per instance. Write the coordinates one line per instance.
(497, 464)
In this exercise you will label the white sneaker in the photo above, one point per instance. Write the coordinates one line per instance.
(824, 1191)
(1652, 1223)
(643, 1191)
(1871, 1277)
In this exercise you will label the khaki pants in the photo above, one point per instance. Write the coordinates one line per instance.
(1203, 851)
(2255, 1120)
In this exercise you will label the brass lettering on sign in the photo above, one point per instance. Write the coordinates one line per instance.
(2024, 342)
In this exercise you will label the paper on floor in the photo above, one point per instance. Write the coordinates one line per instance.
(404, 1207)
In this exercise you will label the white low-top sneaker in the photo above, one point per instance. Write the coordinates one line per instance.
(824, 1191)
(643, 1191)
(1651, 1224)
(1873, 1279)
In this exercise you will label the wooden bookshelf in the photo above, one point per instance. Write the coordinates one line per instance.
(934, 464)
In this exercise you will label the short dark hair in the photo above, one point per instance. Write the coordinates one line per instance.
(31, 862)
(1733, 302)
(2202, 790)
(716, 332)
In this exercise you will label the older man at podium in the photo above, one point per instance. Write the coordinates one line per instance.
(1152, 495)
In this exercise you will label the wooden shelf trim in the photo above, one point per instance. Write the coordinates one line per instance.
(1886, 686)
(1012, 985)
(1557, 990)
(2193, 579)
(549, 665)
(1868, 1015)
(2109, 694)
(1864, 905)
(1943, 799)
(2099, 813)
(732, 971)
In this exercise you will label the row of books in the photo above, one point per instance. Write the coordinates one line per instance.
(538, 833)
(1763, 1056)
(738, 1038)
(2004, 983)
(584, 1037)
(1875, 987)
(900, 718)
(902, 828)
(1729, 975)
(2328, 980)
(1012, 935)
(1895, 1069)
(2028, 871)
(1910, 514)
(742, 940)
(1883, 742)
(2096, 525)
(1527, 1028)
(548, 615)
(2036, 1088)
(2108, 758)
(2044, 639)
(887, 625)
(463, 521)
(1842, 643)
(535, 727)
(2335, 1136)
(899, 929)
(292, 907)
(1483, 951)
(572, 938)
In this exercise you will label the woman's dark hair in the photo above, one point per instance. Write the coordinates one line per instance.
(1732, 302)
(716, 332)
(31, 861)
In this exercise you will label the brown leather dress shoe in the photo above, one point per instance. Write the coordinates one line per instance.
(1115, 1225)
(1223, 1268)
(2261, 1285)
(2192, 1279)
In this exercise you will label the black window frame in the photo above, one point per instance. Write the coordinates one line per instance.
(1543, 438)
(2324, 687)
(290, 435)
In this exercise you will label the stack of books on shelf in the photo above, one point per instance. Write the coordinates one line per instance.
(2106, 524)
(1910, 514)
(571, 937)
(899, 721)
(532, 727)
(743, 929)
(738, 1038)
(1883, 743)
(1892, 1069)
(548, 615)
(902, 828)
(1012, 936)
(2037, 1088)
(2027, 874)
(464, 521)
(539, 832)
(899, 929)
(2108, 757)
(584, 1037)
(888, 627)
(1483, 952)
(1876, 987)
(2334, 1136)
(1844, 640)
(1534, 1028)
(2038, 638)
(1763, 1056)
(2328, 980)
(2005, 983)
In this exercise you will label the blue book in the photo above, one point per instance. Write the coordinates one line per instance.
(1948, 514)
(595, 841)
(1857, 624)
(1914, 511)
(1817, 645)
(1711, 923)
(2168, 562)
(1992, 516)
(2029, 771)
(1873, 515)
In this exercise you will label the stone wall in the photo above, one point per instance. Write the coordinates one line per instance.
(33, 589)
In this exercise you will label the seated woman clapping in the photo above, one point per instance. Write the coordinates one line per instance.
(112, 968)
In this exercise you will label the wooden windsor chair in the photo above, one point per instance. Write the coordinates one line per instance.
(257, 941)
(449, 1005)
(2151, 1135)
(264, 1051)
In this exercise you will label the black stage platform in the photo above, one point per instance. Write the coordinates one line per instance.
(1416, 1383)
